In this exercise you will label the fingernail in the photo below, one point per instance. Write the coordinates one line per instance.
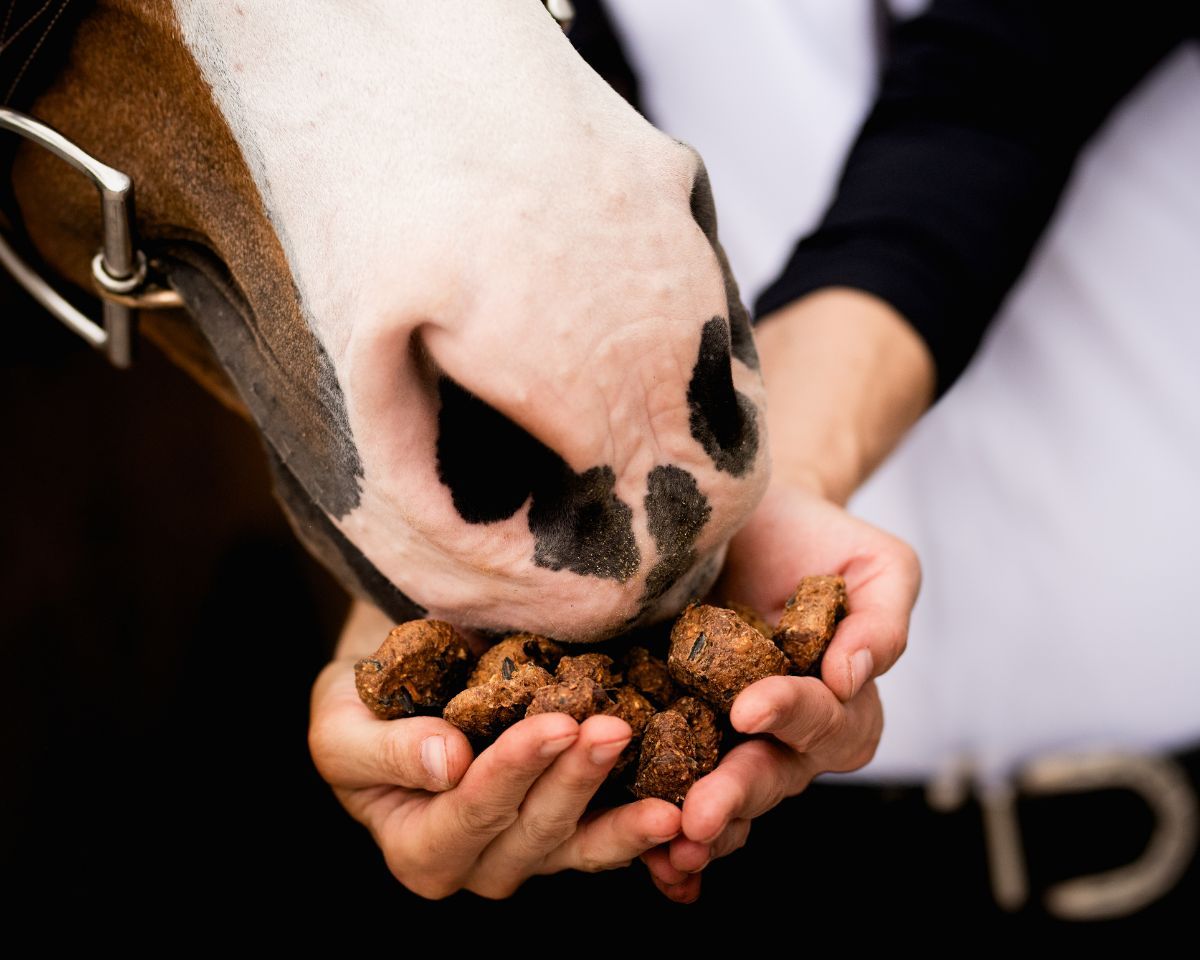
(706, 862)
(433, 757)
(862, 665)
(603, 753)
(660, 840)
(552, 748)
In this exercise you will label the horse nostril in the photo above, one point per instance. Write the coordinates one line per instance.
(488, 462)
(492, 466)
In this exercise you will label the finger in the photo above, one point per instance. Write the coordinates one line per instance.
(881, 588)
(688, 856)
(800, 711)
(615, 837)
(732, 839)
(658, 862)
(457, 825)
(751, 779)
(351, 747)
(686, 892)
(554, 804)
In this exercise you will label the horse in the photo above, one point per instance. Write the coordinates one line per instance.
(474, 302)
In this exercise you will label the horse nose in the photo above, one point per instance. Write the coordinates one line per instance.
(492, 466)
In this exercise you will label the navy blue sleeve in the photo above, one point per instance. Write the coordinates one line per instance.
(983, 107)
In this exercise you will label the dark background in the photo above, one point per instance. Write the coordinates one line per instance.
(160, 632)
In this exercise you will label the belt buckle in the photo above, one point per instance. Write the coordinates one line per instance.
(1160, 781)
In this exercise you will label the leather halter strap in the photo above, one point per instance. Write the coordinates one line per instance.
(297, 442)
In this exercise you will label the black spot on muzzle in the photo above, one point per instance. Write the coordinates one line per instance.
(704, 211)
(676, 512)
(492, 466)
(723, 421)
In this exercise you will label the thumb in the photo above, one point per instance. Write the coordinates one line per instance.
(352, 748)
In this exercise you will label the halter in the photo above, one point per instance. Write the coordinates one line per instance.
(119, 269)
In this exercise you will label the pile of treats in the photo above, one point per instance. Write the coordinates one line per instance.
(677, 709)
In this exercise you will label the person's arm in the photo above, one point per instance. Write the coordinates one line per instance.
(983, 109)
(846, 378)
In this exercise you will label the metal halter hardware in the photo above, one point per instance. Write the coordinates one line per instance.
(118, 269)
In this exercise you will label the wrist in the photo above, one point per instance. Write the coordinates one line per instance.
(846, 377)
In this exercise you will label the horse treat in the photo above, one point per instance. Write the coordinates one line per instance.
(636, 711)
(485, 711)
(519, 648)
(677, 708)
(419, 667)
(667, 766)
(702, 721)
(752, 617)
(649, 676)
(597, 667)
(715, 654)
(809, 618)
(578, 697)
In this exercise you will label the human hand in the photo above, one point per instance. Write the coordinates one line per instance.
(447, 821)
(808, 725)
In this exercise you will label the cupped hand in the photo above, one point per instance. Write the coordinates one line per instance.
(807, 725)
(447, 821)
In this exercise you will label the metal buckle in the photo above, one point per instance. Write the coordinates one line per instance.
(119, 271)
(1161, 783)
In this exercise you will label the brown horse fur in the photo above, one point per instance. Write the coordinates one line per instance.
(131, 94)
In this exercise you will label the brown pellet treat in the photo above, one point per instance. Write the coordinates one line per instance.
(667, 765)
(418, 668)
(809, 620)
(636, 711)
(631, 707)
(580, 697)
(752, 617)
(650, 676)
(595, 666)
(715, 654)
(519, 648)
(485, 711)
(702, 720)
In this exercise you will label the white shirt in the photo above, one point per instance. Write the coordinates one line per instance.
(1052, 493)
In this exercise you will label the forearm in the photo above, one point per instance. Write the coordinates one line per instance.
(983, 108)
(846, 377)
